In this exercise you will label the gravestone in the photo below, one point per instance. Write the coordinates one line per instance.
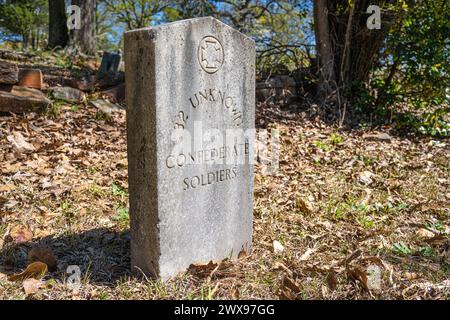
(109, 65)
(190, 94)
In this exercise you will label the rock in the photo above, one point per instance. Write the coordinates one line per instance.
(276, 87)
(20, 99)
(105, 106)
(68, 94)
(31, 78)
(116, 94)
(86, 84)
(16, 56)
(382, 136)
(9, 72)
(110, 80)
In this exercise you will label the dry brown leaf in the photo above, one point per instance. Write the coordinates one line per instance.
(332, 280)
(21, 234)
(280, 266)
(7, 187)
(291, 284)
(355, 254)
(437, 239)
(43, 254)
(203, 270)
(59, 190)
(235, 294)
(35, 270)
(242, 254)
(287, 295)
(31, 286)
(19, 143)
(365, 177)
(289, 290)
(424, 233)
(301, 205)
(411, 276)
(307, 254)
(357, 274)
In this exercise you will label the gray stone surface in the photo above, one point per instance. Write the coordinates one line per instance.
(105, 106)
(9, 73)
(178, 76)
(20, 99)
(68, 94)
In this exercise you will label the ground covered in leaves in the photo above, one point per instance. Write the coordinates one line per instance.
(351, 214)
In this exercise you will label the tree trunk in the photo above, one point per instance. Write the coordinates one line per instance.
(25, 41)
(84, 38)
(346, 48)
(324, 49)
(58, 34)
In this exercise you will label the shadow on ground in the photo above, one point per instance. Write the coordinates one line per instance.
(102, 254)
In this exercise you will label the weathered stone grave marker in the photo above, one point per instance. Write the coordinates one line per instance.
(109, 65)
(190, 94)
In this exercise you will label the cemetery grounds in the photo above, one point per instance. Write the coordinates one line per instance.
(340, 203)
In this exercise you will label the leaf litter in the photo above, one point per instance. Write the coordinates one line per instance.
(338, 209)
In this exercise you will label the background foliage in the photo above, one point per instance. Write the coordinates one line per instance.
(409, 76)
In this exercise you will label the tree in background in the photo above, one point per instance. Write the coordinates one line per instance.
(412, 76)
(187, 9)
(58, 34)
(84, 38)
(346, 48)
(26, 19)
(107, 31)
(135, 14)
(283, 46)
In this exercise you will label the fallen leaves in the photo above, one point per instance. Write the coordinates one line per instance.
(31, 286)
(359, 275)
(307, 254)
(36, 270)
(424, 233)
(20, 234)
(366, 177)
(7, 187)
(19, 143)
(332, 281)
(301, 205)
(381, 136)
(211, 269)
(77, 150)
(289, 290)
